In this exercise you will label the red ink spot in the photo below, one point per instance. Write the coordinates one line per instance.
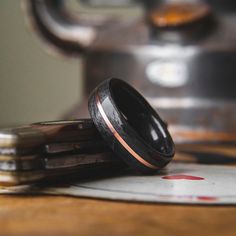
(186, 177)
(205, 198)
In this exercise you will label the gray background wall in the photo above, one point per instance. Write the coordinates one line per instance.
(34, 86)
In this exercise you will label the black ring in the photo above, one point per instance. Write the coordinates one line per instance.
(130, 126)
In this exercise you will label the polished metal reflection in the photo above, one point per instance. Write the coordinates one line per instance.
(186, 73)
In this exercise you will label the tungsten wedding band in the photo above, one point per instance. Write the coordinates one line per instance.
(130, 126)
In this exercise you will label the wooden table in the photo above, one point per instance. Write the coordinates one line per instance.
(50, 215)
(57, 215)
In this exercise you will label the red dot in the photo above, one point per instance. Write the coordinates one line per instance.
(182, 177)
(206, 198)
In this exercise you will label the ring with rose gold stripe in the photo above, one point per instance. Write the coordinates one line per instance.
(130, 126)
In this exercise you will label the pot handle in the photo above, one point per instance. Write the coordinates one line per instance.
(66, 33)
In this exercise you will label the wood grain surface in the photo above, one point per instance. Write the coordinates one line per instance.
(69, 216)
(50, 215)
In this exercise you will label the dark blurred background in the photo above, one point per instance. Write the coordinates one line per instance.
(179, 54)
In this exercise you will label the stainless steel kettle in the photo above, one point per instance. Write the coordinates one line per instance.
(181, 55)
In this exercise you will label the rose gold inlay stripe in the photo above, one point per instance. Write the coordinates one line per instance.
(119, 138)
